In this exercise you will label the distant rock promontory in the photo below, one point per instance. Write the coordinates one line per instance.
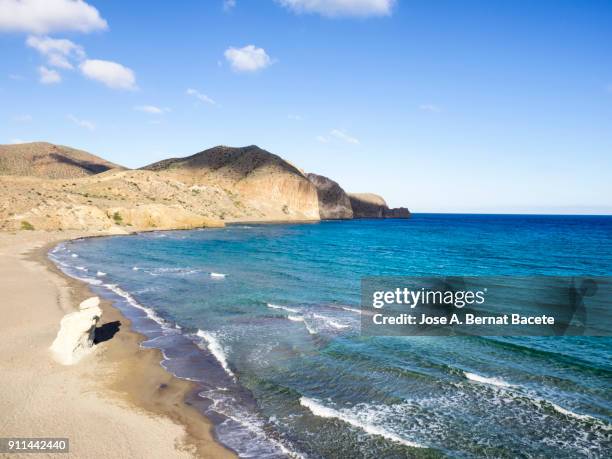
(370, 205)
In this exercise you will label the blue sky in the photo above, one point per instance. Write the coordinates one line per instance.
(463, 106)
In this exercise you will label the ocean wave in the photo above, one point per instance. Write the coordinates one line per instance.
(218, 275)
(74, 255)
(356, 311)
(483, 379)
(350, 418)
(100, 274)
(177, 271)
(248, 434)
(330, 322)
(132, 302)
(58, 247)
(284, 308)
(310, 329)
(534, 398)
(566, 412)
(81, 268)
(215, 348)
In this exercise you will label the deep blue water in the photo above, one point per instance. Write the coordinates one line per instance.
(275, 343)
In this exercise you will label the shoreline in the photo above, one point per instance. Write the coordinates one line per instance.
(155, 418)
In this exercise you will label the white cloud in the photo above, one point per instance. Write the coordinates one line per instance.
(248, 58)
(22, 118)
(295, 117)
(151, 109)
(338, 134)
(48, 76)
(57, 51)
(340, 8)
(201, 97)
(44, 16)
(429, 108)
(18, 141)
(82, 123)
(111, 74)
(228, 4)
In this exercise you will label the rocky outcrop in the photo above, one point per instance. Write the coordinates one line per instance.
(397, 212)
(334, 203)
(369, 205)
(77, 331)
(46, 160)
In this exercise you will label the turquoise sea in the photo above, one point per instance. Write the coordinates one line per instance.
(266, 319)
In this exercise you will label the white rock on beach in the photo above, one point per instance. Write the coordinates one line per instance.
(76, 335)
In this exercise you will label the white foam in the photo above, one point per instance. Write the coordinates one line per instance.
(218, 275)
(325, 412)
(58, 247)
(74, 255)
(584, 417)
(538, 401)
(81, 268)
(132, 302)
(178, 271)
(216, 350)
(100, 274)
(224, 403)
(135, 268)
(330, 322)
(311, 330)
(284, 308)
(88, 280)
(483, 379)
(356, 311)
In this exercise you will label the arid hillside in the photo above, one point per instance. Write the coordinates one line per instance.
(265, 185)
(44, 186)
(42, 159)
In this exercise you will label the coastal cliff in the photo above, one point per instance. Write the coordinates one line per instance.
(51, 187)
(334, 203)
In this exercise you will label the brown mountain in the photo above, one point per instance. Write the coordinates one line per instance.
(263, 183)
(42, 159)
(51, 187)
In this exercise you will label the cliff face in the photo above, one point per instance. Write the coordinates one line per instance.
(263, 185)
(45, 160)
(369, 205)
(334, 203)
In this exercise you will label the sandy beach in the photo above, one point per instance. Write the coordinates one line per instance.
(116, 402)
